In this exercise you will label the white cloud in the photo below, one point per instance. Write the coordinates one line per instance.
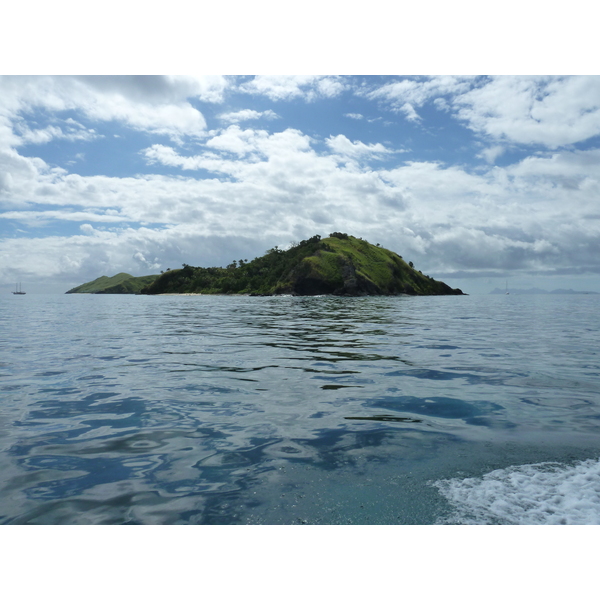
(146, 263)
(441, 104)
(356, 116)
(155, 104)
(247, 115)
(24, 178)
(236, 140)
(491, 153)
(410, 112)
(551, 111)
(330, 86)
(159, 89)
(283, 172)
(174, 120)
(534, 110)
(47, 134)
(165, 155)
(575, 163)
(37, 217)
(287, 87)
(403, 95)
(6, 182)
(340, 144)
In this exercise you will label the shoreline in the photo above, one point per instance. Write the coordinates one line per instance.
(401, 295)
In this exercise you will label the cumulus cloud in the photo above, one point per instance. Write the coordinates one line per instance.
(502, 219)
(159, 89)
(173, 120)
(581, 163)
(252, 145)
(165, 155)
(283, 171)
(35, 217)
(492, 153)
(154, 104)
(280, 163)
(409, 112)
(551, 111)
(5, 182)
(403, 95)
(533, 110)
(47, 134)
(237, 141)
(247, 115)
(145, 263)
(340, 144)
(24, 178)
(329, 86)
(287, 87)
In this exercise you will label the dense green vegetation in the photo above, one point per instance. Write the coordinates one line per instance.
(340, 264)
(123, 283)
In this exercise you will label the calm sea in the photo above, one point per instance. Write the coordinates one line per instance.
(289, 410)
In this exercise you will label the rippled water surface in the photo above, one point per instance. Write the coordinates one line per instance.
(287, 410)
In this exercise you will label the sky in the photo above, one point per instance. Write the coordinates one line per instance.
(478, 180)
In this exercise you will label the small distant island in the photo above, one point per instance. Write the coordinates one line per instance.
(517, 291)
(340, 265)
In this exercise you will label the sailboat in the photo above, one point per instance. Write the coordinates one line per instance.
(18, 290)
(507, 292)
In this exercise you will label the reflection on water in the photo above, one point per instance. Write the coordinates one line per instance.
(283, 410)
(385, 418)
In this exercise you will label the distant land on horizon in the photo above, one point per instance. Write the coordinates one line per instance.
(517, 291)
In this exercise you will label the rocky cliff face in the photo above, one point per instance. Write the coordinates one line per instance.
(351, 284)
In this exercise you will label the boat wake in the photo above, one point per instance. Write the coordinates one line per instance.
(538, 494)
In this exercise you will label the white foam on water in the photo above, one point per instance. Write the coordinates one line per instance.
(539, 494)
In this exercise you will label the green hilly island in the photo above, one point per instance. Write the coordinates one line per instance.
(340, 265)
(123, 283)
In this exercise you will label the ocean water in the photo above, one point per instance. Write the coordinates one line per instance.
(290, 410)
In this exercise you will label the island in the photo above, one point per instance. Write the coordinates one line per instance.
(340, 265)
